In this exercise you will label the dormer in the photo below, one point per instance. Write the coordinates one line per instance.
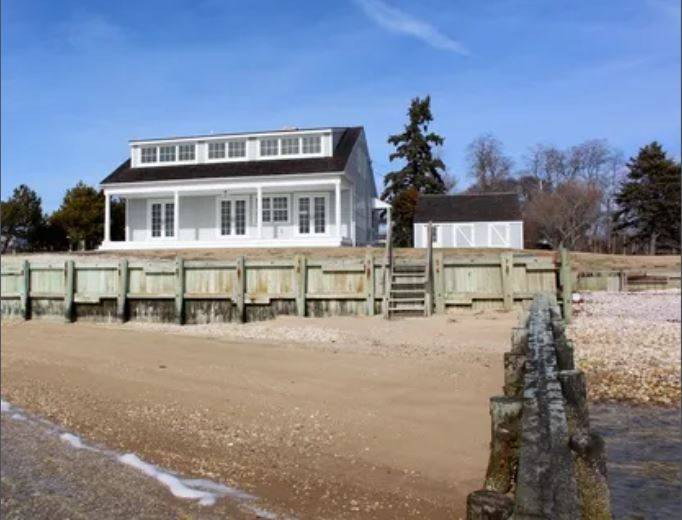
(240, 147)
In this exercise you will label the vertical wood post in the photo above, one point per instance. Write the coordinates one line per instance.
(122, 290)
(428, 294)
(179, 290)
(388, 265)
(69, 286)
(439, 282)
(565, 282)
(369, 281)
(240, 287)
(25, 290)
(300, 266)
(506, 267)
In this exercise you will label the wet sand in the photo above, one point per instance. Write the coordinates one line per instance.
(336, 428)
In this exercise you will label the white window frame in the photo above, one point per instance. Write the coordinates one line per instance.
(177, 153)
(294, 139)
(260, 148)
(233, 210)
(156, 154)
(272, 220)
(506, 232)
(235, 157)
(163, 202)
(303, 137)
(327, 214)
(216, 159)
(455, 241)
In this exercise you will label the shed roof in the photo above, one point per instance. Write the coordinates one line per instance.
(336, 163)
(484, 207)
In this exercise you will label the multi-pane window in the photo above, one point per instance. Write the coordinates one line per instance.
(289, 145)
(312, 144)
(148, 154)
(269, 147)
(225, 217)
(233, 217)
(156, 219)
(280, 209)
(167, 153)
(186, 152)
(320, 214)
(216, 150)
(236, 149)
(240, 217)
(275, 209)
(162, 219)
(304, 215)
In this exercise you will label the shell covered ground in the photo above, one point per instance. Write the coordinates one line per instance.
(628, 344)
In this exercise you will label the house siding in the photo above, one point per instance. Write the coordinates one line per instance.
(359, 171)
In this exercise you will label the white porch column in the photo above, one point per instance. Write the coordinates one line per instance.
(127, 203)
(337, 201)
(176, 215)
(107, 217)
(259, 210)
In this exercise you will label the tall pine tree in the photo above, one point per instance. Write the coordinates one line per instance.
(422, 172)
(649, 200)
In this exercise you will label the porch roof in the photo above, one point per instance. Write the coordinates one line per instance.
(125, 173)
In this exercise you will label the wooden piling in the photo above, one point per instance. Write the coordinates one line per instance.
(439, 282)
(506, 267)
(179, 290)
(505, 419)
(566, 284)
(369, 281)
(300, 266)
(69, 286)
(25, 290)
(489, 505)
(121, 307)
(240, 287)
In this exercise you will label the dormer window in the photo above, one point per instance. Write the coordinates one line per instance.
(236, 149)
(148, 154)
(167, 153)
(216, 150)
(312, 144)
(290, 145)
(186, 152)
(269, 147)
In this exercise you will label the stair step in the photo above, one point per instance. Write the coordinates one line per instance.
(404, 274)
(406, 300)
(411, 308)
(420, 281)
(408, 291)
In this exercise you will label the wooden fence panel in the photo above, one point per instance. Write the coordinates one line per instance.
(95, 282)
(209, 281)
(270, 282)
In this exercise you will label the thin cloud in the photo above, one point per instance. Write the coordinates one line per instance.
(398, 21)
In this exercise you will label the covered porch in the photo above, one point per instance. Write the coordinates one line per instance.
(294, 213)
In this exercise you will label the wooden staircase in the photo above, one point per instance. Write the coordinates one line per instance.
(408, 289)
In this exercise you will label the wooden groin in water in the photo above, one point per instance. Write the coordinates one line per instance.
(545, 462)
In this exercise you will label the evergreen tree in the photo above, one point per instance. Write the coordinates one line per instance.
(421, 173)
(649, 199)
(81, 215)
(22, 218)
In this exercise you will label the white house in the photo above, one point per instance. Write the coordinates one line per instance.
(294, 187)
(481, 220)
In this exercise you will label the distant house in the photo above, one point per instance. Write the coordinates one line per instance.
(483, 220)
(293, 187)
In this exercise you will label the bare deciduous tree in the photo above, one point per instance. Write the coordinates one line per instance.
(566, 215)
(488, 165)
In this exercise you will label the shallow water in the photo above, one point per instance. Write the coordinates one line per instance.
(644, 454)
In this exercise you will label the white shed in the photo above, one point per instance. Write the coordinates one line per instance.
(477, 220)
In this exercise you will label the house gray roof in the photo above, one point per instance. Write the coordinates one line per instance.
(484, 207)
(335, 163)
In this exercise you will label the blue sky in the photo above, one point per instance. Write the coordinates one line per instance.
(79, 79)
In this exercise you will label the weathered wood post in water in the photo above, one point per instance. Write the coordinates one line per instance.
(544, 460)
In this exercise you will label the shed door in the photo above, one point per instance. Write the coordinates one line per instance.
(499, 235)
(464, 235)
